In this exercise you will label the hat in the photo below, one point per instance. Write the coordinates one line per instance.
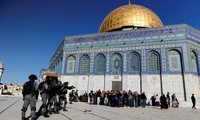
(32, 77)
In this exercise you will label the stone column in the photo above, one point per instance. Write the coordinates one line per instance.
(77, 63)
(107, 62)
(185, 65)
(91, 61)
(63, 64)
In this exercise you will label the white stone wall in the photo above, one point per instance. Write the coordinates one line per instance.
(132, 82)
(193, 86)
(173, 84)
(150, 84)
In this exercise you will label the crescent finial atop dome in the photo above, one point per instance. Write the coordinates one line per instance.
(129, 2)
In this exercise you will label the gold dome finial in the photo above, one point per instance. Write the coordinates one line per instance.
(129, 2)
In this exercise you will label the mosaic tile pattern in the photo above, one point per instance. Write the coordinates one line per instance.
(176, 37)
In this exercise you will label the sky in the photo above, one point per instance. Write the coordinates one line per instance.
(31, 30)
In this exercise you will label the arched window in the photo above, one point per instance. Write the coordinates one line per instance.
(193, 62)
(174, 60)
(117, 63)
(85, 64)
(153, 61)
(70, 64)
(100, 63)
(134, 60)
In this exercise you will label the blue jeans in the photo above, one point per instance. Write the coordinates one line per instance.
(143, 102)
(136, 102)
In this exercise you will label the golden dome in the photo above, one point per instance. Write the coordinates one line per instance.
(132, 15)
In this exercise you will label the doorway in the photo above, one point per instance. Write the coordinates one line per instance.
(116, 85)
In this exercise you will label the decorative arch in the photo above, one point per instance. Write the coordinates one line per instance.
(85, 64)
(100, 63)
(193, 63)
(134, 62)
(71, 60)
(154, 61)
(117, 63)
(174, 60)
(176, 64)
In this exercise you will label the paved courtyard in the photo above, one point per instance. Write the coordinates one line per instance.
(10, 109)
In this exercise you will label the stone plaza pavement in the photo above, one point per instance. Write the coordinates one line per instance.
(10, 109)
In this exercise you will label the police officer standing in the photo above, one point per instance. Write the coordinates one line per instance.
(30, 95)
(44, 89)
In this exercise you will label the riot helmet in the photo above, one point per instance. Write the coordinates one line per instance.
(32, 77)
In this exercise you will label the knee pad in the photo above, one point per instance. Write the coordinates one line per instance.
(33, 109)
(65, 102)
(24, 109)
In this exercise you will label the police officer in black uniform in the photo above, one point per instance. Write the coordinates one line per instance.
(44, 92)
(62, 94)
(30, 95)
(54, 89)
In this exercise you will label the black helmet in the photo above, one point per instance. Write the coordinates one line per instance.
(65, 83)
(32, 77)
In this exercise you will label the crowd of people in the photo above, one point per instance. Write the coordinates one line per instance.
(131, 99)
(165, 101)
(115, 98)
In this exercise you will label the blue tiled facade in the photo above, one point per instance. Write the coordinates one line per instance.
(154, 60)
(181, 38)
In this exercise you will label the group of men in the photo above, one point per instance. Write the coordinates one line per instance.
(52, 92)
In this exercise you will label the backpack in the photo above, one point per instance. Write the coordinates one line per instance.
(27, 88)
(40, 86)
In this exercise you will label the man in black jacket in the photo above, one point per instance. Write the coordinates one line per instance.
(193, 101)
(143, 98)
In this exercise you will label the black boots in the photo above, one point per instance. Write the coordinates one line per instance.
(23, 118)
(45, 114)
